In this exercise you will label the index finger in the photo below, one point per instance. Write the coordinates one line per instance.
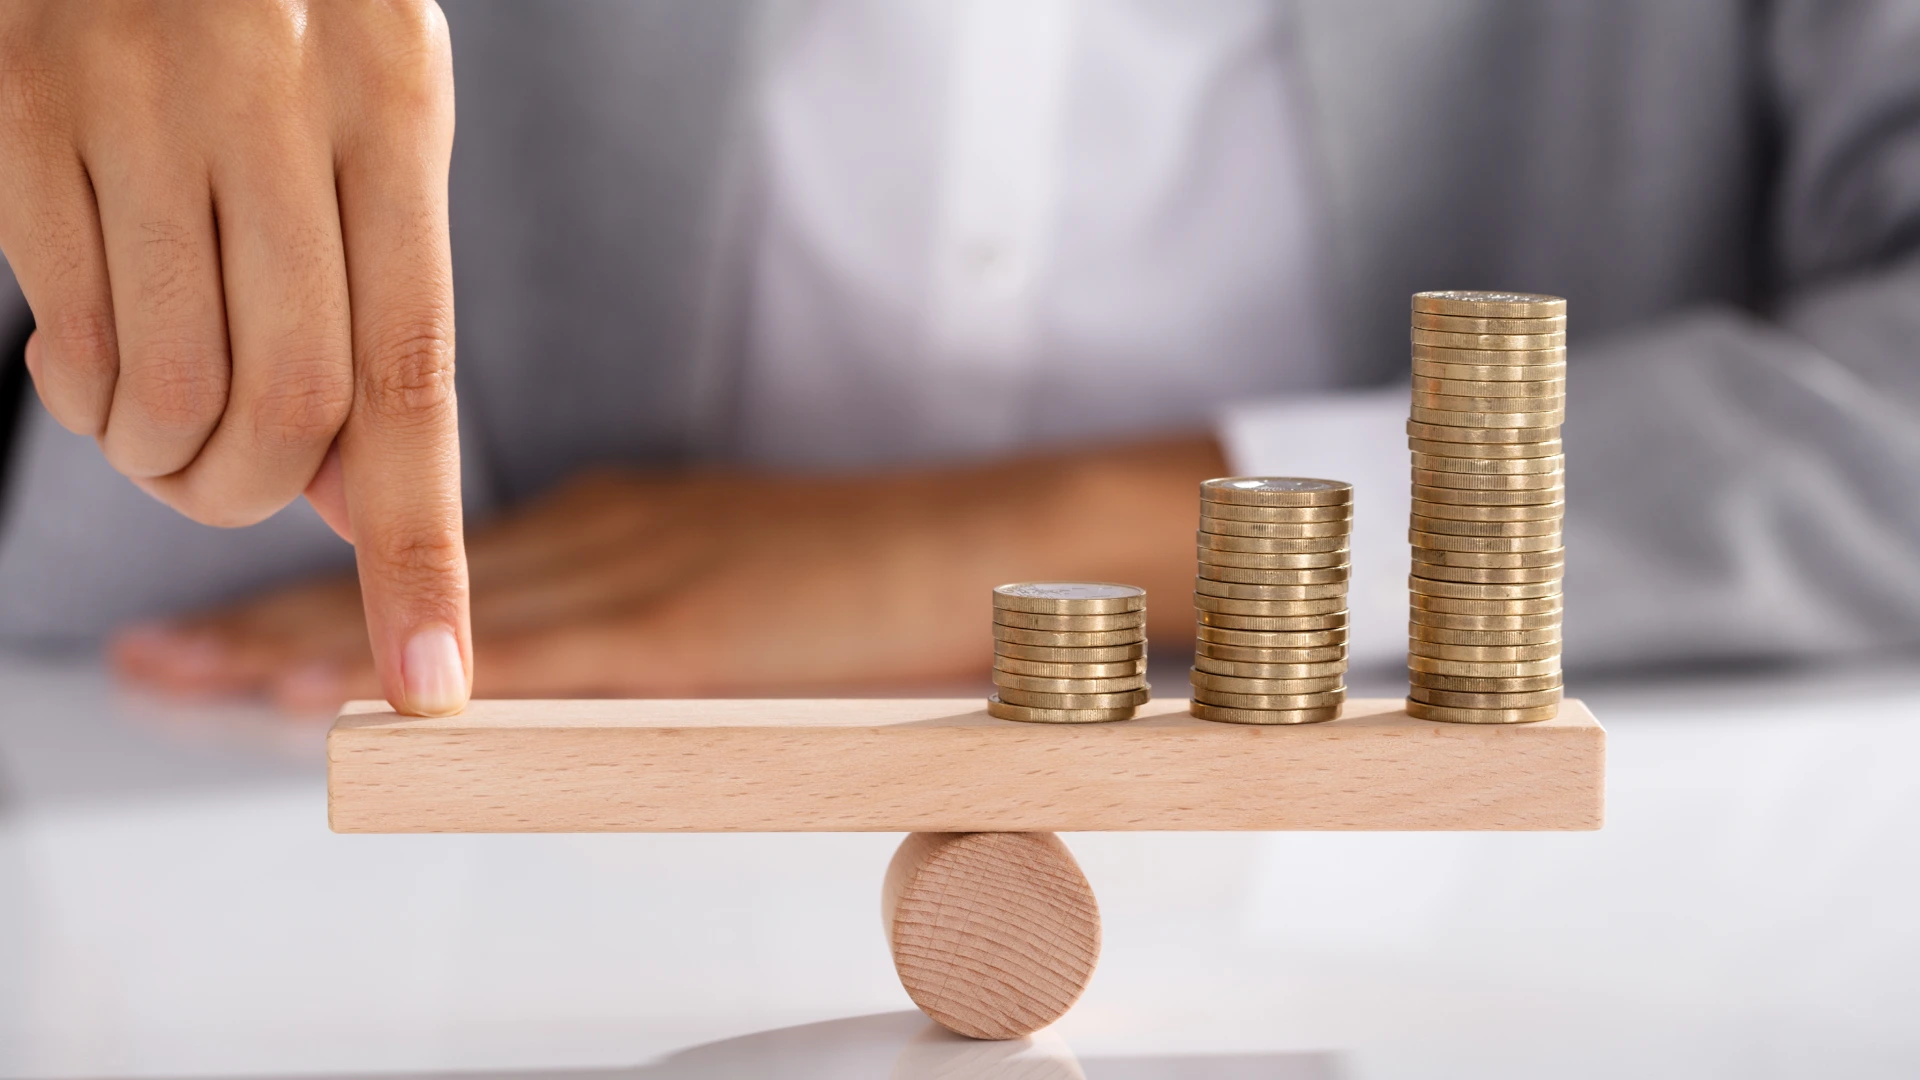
(399, 449)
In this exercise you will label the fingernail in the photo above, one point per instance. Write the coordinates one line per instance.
(432, 674)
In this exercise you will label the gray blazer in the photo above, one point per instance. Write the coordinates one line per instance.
(1728, 192)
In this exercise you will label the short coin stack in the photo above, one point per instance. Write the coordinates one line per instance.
(1271, 599)
(1068, 652)
(1489, 394)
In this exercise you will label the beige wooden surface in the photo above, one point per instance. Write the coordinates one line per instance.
(994, 935)
(934, 765)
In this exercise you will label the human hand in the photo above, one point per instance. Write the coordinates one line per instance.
(230, 221)
(680, 585)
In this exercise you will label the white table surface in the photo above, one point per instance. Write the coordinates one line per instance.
(172, 904)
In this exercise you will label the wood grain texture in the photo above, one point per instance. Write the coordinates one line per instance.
(929, 765)
(994, 934)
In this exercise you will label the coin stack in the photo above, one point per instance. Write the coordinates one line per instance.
(1489, 394)
(1271, 599)
(1068, 652)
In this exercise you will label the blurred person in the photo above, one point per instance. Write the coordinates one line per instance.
(787, 329)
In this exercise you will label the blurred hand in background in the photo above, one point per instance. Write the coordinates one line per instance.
(712, 583)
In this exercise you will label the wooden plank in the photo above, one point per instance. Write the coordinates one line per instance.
(930, 765)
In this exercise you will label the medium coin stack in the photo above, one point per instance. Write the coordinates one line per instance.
(1271, 598)
(1068, 652)
(1489, 394)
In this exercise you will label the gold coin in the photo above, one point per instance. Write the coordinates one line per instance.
(1535, 466)
(1030, 621)
(1477, 497)
(1479, 418)
(1446, 527)
(1053, 670)
(1507, 669)
(1435, 369)
(1270, 701)
(1007, 680)
(1005, 711)
(1238, 590)
(1106, 654)
(1490, 304)
(1324, 637)
(1463, 700)
(1496, 413)
(1445, 620)
(1527, 383)
(1489, 575)
(1119, 699)
(1479, 434)
(1213, 665)
(1335, 620)
(1528, 392)
(1520, 358)
(1482, 324)
(1278, 491)
(1545, 511)
(1269, 608)
(1312, 575)
(1438, 636)
(1448, 400)
(1454, 605)
(1491, 342)
(1426, 483)
(1422, 711)
(1272, 545)
(1499, 413)
(1262, 560)
(1489, 560)
(1462, 481)
(1486, 451)
(1481, 684)
(1483, 654)
(1066, 639)
(1069, 597)
(1224, 715)
(1490, 591)
(1277, 514)
(1490, 544)
(1229, 684)
(1275, 530)
(1244, 654)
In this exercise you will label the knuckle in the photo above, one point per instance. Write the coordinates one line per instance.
(402, 54)
(412, 378)
(304, 404)
(33, 92)
(416, 555)
(83, 338)
(178, 387)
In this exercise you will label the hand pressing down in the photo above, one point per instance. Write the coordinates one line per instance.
(230, 221)
(651, 585)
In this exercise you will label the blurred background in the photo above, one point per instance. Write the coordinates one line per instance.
(786, 330)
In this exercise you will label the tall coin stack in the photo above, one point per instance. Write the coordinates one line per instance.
(1068, 652)
(1271, 599)
(1489, 394)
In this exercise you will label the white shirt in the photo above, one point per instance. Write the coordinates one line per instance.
(992, 224)
(989, 224)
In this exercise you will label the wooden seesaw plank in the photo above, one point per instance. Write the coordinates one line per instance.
(929, 765)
